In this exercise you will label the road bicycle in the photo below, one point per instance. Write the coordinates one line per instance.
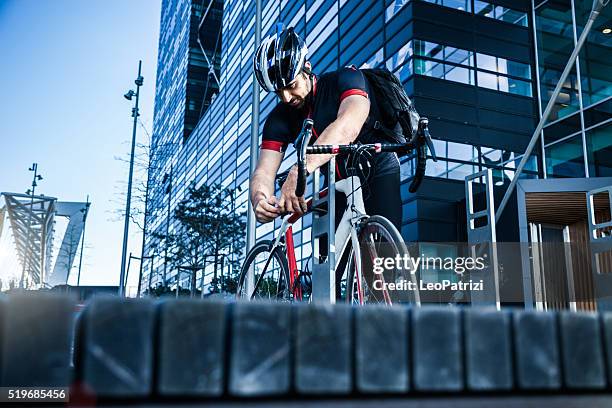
(360, 238)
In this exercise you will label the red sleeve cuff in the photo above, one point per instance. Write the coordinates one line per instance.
(351, 92)
(273, 145)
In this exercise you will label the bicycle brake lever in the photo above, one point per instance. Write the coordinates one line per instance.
(425, 137)
(430, 144)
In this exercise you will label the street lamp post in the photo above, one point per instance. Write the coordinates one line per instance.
(151, 272)
(141, 259)
(26, 258)
(126, 226)
(85, 211)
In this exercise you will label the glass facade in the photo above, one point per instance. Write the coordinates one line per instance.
(454, 64)
(480, 8)
(189, 62)
(577, 138)
(469, 65)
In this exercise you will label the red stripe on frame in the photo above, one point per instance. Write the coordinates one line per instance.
(351, 92)
(273, 145)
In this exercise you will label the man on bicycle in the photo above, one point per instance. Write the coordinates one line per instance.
(339, 105)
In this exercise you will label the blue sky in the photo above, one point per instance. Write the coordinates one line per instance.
(64, 66)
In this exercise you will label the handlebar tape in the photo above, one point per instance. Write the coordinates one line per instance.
(301, 146)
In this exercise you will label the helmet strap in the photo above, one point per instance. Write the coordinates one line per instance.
(310, 97)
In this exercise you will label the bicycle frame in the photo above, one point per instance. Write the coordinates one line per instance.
(351, 187)
(354, 212)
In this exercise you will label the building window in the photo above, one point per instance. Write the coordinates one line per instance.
(376, 60)
(486, 9)
(457, 65)
(599, 150)
(394, 8)
(458, 160)
(444, 62)
(462, 5)
(510, 80)
(565, 158)
(481, 8)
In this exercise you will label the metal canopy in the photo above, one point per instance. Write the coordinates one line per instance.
(77, 214)
(530, 186)
(2, 213)
(32, 219)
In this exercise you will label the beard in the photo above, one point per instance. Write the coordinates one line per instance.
(296, 103)
(299, 104)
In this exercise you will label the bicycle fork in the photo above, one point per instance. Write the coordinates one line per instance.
(357, 263)
(285, 231)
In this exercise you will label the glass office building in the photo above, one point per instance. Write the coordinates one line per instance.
(578, 136)
(477, 69)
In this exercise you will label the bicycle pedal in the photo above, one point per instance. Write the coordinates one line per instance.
(304, 279)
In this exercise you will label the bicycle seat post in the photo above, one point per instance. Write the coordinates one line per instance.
(323, 233)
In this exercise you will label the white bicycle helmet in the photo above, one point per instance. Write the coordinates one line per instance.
(279, 59)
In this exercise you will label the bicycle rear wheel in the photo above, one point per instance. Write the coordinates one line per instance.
(271, 273)
(378, 238)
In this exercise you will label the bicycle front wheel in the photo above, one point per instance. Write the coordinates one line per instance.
(270, 274)
(379, 239)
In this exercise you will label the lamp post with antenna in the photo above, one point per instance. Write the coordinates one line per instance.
(28, 249)
(85, 211)
(128, 95)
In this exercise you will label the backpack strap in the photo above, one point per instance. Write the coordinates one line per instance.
(393, 135)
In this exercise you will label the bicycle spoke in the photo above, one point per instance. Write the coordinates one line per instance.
(262, 275)
(268, 278)
(377, 242)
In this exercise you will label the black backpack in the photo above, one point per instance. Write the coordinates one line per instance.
(399, 121)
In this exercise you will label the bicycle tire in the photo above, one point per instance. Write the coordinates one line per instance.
(394, 240)
(282, 292)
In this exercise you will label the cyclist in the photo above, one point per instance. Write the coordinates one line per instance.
(339, 105)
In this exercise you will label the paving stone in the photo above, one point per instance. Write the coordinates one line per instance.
(191, 348)
(37, 332)
(261, 349)
(606, 321)
(488, 349)
(116, 347)
(437, 349)
(583, 359)
(381, 349)
(537, 350)
(323, 349)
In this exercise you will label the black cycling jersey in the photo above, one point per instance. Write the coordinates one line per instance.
(284, 123)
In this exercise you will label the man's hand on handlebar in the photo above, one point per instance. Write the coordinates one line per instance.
(267, 209)
(289, 202)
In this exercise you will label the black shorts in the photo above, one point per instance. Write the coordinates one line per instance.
(381, 191)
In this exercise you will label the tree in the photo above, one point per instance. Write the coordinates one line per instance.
(164, 291)
(150, 160)
(207, 226)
